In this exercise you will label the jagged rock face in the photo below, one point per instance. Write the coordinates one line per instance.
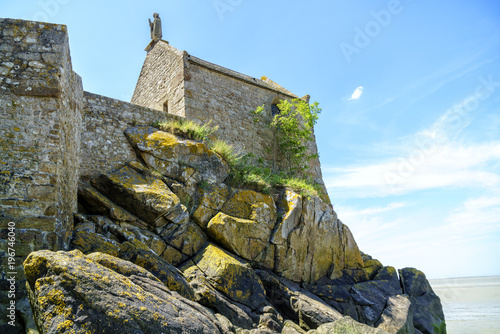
(233, 277)
(428, 311)
(310, 242)
(261, 263)
(184, 160)
(145, 196)
(296, 303)
(244, 237)
(70, 292)
(210, 203)
(135, 252)
(397, 317)
(346, 325)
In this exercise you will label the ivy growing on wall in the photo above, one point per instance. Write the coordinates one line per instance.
(294, 125)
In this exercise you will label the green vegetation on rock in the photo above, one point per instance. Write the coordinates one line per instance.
(294, 126)
(252, 172)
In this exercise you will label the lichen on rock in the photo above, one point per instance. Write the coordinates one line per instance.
(72, 293)
(232, 276)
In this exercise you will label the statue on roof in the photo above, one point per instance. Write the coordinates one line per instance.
(155, 27)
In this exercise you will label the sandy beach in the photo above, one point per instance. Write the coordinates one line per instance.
(471, 305)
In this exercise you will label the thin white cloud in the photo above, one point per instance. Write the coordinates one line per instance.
(357, 93)
(464, 235)
(448, 165)
(483, 212)
(369, 222)
(428, 159)
(351, 212)
(451, 123)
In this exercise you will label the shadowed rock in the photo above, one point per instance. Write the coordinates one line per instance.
(143, 195)
(427, 308)
(70, 292)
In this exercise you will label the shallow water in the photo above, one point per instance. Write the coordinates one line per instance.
(471, 305)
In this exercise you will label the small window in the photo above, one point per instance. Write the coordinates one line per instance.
(274, 109)
(165, 106)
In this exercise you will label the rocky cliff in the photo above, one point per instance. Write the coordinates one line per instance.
(164, 245)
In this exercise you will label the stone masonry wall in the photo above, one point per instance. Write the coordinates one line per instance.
(228, 103)
(227, 98)
(203, 91)
(103, 144)
(161, 80)
(40, 105)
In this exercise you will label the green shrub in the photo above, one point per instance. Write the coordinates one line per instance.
(294, 126)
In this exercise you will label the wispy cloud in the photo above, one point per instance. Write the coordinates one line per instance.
(357, 93)
(484, 212)
(370, 222)
(463, 235)
(430, 158)
(449, 72)
(448, 165)
(351, 212)
(451, 123)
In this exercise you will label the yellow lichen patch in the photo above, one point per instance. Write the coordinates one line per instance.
(56, 297)
(64, 325)
(160, 139)
(202, 215)
(140, 296)
(245, 237)
(371, 267)
(157, 316)
(289, 202)
(197, 148)
(226, 273)
(244, 202)
(32, 266)
(391, 270)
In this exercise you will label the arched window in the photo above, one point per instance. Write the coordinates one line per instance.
(274, 109)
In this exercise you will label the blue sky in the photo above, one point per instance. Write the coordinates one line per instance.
(409, 136)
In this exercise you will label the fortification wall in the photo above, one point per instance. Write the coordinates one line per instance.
(40, 123)
(161, 82)
(103, 144)
(41, 100)
(228, 99)
(228, 102)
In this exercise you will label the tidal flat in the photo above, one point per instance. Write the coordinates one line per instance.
(471, 304)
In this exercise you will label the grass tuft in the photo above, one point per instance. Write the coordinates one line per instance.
(187, 129)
